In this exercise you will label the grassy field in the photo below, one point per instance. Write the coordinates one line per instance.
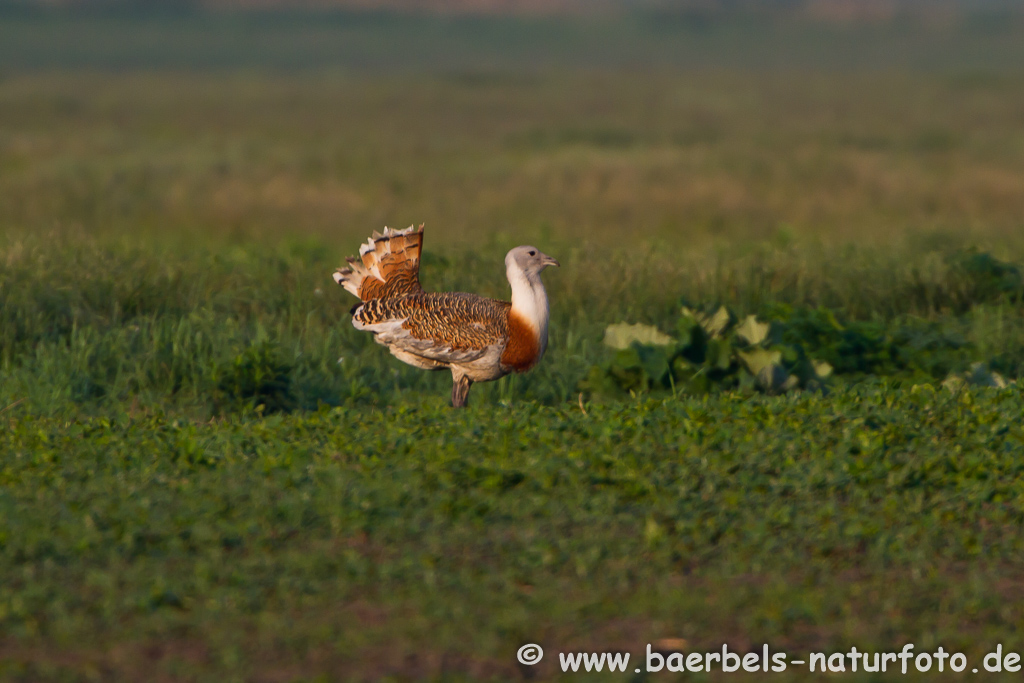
(207, 474)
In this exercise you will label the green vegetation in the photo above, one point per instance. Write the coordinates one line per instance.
(412, 541)
(802, 347)
(207, 474)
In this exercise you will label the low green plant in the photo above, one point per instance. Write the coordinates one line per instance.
(255, 379)
(857, 348)
(712, 351)
(987, 278)
(801, 347)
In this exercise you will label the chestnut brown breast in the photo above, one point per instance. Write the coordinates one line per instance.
(523, 348)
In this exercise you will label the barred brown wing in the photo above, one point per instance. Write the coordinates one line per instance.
(453, 320)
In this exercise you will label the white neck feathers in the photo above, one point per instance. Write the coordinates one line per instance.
(529, 300)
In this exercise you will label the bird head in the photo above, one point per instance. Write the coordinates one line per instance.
(529, 260)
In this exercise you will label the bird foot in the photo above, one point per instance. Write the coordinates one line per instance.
(460, 391)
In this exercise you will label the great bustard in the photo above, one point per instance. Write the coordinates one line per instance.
(477, 338)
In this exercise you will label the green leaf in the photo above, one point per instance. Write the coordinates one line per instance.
(622, 335)
(719, 354)
(654, 362)
(766, 367)
(756, 360)
(752, 332)
(627, 370)
(693, 341)
(821, 368)
(774, 379)
(715, 324)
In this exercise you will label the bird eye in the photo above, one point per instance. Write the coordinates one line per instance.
(533, 253)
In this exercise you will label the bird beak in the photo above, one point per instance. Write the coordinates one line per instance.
(548, 261)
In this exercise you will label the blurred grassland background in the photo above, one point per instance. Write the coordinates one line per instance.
(179, 181)
(227, 161)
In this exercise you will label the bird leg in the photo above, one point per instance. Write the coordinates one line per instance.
(460, 390)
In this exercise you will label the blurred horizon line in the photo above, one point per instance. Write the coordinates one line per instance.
(931, 12)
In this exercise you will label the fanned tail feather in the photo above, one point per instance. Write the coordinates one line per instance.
(388, 265)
